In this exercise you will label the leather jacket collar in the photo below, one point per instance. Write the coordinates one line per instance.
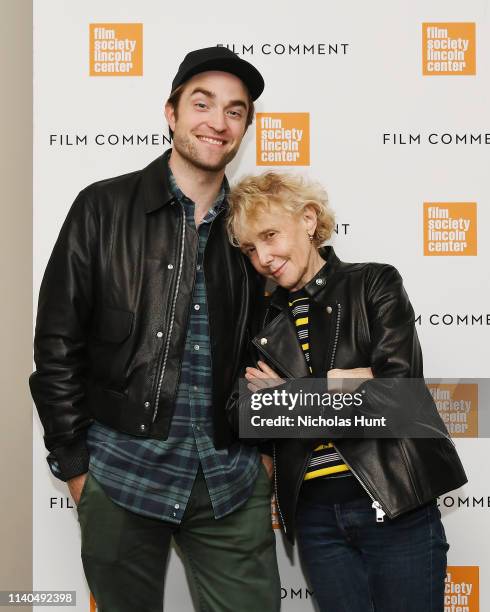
(314, 287)
(157, 190)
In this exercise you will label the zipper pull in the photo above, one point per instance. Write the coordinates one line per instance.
(380, 513)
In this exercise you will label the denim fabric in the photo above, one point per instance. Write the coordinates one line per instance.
(356, 564)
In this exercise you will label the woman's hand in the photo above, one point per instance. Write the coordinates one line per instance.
(337, 379)
(262, 377)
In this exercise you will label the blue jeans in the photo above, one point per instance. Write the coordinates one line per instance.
(355, 564)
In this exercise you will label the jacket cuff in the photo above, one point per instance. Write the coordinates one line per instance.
(67, 462)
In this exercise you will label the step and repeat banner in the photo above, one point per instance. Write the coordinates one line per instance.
(386, 103)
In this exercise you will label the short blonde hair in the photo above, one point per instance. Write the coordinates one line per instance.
(293, 192)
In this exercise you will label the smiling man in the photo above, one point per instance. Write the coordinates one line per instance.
(141, 327)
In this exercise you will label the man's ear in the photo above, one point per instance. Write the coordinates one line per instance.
(170, 115)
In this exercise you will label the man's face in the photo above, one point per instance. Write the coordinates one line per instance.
(210, 120)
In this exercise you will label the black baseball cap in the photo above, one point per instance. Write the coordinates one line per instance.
(219, 58)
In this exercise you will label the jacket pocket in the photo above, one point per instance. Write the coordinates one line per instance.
(114, 325)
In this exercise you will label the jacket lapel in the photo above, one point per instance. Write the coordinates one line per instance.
(279, 345)
(320, 333)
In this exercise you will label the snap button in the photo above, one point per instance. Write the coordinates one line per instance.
(329, 309)
(263, 341)
(320, 281)
(159, 334)
(177, 506)
(170, 266)
(142, 427)
(147, 404)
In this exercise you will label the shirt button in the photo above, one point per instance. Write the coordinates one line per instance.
(147, 404)
(196, 307)
(177, 506)
(196, 347)
(159, 334)
(198, 266)
(263, 341)
(329, 309)
(320, 281)
(174, 513)
(170, 266)
(142, 427)
(195, 387)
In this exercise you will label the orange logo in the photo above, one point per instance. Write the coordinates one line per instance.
(116, 49)
(458, 406)
(462, 588)
(283, 139)
(448, 48)
(93, 605)
(450, 228)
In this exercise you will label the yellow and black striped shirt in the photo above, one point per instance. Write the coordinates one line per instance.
(325, 461)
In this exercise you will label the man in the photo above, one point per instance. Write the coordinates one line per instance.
(142, 322)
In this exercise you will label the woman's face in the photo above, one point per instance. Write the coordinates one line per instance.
(278, 245)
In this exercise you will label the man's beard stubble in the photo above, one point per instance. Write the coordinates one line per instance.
(188, 151)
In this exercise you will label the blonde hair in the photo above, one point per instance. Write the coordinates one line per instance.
(293, 192)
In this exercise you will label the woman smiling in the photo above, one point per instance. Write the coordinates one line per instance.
(364, 510)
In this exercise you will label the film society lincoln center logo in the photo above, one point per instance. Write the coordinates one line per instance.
(116, 49)
(462, 589)
(458, 406)
(448, 49)
(283, 139)
(450, 228)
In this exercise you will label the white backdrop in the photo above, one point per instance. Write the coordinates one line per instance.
(370, 84)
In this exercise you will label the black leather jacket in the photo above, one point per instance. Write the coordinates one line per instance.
(365, 320)
(113, 311)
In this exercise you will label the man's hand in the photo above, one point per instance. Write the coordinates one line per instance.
(262, 377)
(337, 379)
(76, 485)
(268, 464)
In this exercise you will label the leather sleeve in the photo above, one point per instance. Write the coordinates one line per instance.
(62, 326)
(395, 348)
(395, 355)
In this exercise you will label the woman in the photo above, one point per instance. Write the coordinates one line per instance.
(364, 510)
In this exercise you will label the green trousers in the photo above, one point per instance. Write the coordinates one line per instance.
(230, 563)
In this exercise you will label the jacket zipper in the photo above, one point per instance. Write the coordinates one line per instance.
(172, 317)
(275, 489)
(307, 460)
(281, 518)
(336, 337)
(380, 513)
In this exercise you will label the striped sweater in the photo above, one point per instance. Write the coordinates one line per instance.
(325, 461)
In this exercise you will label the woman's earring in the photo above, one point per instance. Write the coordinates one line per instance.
(310, 236)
